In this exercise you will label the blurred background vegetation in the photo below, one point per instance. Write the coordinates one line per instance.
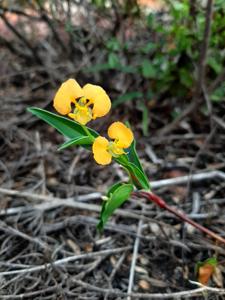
(154, 57)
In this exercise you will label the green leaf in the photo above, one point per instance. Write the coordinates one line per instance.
(99, 3)
(139, 179)
(219, 94)
(149, 47)
(147, 69)
(145, 119)
(127, 97)
(133, 156)
(119, 194)
(113, 188)
(113, 44)
(186, 78)
(113, 60)
(215, 64)
(151, 20)
(137, 175)
(127, 69)
(98, 68)
(209, 261)
(67, 127)
(181, 10)
(85, 140)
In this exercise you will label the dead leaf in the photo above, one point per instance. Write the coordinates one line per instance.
(218, 277)
(144, 285)
(204, 273)
(206, 269)
(88, 247)
(73, 246)
(141, 270)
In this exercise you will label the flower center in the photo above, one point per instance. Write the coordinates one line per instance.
(82, 112)
(114, 149)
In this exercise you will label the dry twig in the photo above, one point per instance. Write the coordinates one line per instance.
(187, 294)
(65, 260)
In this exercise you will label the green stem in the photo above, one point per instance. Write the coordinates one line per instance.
(88, 132)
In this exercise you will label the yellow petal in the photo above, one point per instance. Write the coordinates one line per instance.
(66, 94)
(121, 133)
(99, 98)
(99, 148)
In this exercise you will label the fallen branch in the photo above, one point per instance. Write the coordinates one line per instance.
(30, 295)
(184, 179)
(187, 294)
(92, 196)
(66, 260)
(55, 202)
(10, 230)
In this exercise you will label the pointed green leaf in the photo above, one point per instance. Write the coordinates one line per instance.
(102, 222)
(85, 140)
(127, 97)
(113, 60)
(139, 178)
(67, 127)
(145, 119)
(133, 157)
(137, 175)
(116, 199)
(148, 70)
(209, 261)
(113, 188)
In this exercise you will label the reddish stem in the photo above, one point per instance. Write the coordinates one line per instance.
(161, 203)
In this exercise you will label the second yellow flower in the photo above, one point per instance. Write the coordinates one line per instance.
(104, 150)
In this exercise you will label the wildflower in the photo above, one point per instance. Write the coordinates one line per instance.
(81, 104)
(104, 150)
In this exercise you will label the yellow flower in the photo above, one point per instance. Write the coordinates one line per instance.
(104, 150)
(81, 104)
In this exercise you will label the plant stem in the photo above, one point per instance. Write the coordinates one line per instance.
(162, 204)
(88, 132)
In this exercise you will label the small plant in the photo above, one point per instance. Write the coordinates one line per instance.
(204, 270)
(82, 105)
